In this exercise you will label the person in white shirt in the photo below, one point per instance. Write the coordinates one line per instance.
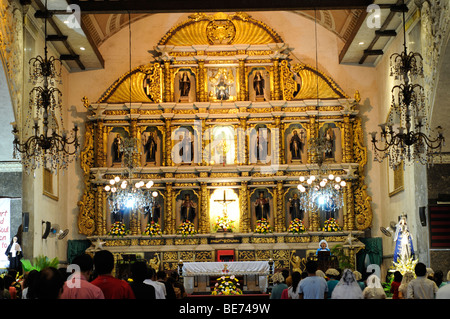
(444, 291)
(312, 287)
(160, 288)
(421, 287)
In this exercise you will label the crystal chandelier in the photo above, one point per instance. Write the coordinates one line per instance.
(324, 191)
(46, 146)
(321, 192)
(403, 137)
(128, 192)
(125, 191)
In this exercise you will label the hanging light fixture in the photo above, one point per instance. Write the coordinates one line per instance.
(46, 146)
(322, 191)
(403, 137)
(126, 191)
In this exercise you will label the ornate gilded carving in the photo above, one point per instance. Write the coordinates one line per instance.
(86, 217)
(245, 224)
(203, 223)
(363, 208)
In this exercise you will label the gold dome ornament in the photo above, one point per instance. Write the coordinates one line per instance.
(221, 30)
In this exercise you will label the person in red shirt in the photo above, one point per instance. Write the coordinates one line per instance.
(395, 284)
(113, 288)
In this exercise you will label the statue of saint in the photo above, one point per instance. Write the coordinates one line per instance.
(116, 149)
(154, 213)
(150, 147)
(296, 146)
(185, 84)
(258, 84)
(294, 209)
(329, 137)
(223, 92)
(403, 241)
(188, 208)
(262, 207)
(187, 149)
(261, 148)
(14, 253)
(155, 262)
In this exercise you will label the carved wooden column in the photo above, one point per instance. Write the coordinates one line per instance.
(280, 146)
(347, 147)
(202, 96)
(349, 207)
(280, 218)
(100, 212)
(168, 143)
(169, 214)
(243, 92)
(243, 141)
(245, 223)
(313, 131)
(276, 95)
(100, 159)
(167, 93)
(203, 218)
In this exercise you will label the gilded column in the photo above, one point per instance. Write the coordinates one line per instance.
(276, 80)
(242, 96)
(347, 149)
(100, 160)
(99, 211)
(280, 218)
(134, 134)
(168, 143)
(313, 134)
(245, 223)
(202, 96)
(243, 142)
(203, 218)
(280, 148)
(349, 207)
(169, 216)
(168, 97)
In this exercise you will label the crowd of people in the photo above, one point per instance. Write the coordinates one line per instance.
(92, 278)
(348, 284)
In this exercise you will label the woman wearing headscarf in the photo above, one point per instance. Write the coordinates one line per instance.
(374, 289)
(348, 287)
(323, 246)
(403, 288)
(279, 286)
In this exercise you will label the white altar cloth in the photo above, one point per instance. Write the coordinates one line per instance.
(237, 268)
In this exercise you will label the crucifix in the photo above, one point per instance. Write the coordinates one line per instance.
(224, 202)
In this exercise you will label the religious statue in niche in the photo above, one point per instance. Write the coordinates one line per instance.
(294, 207)
(188, 208)
(296, 145)
(150, 147)
(116, 149)
(186, 151)
(328, 135)
(221, 80)
(258, 85)
(261, 146)
(153, 213)
(185, 86)
(262, 207)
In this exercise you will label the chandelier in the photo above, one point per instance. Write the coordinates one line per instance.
(126, 191)
(46, 146)
(321, 192)
(403, 137)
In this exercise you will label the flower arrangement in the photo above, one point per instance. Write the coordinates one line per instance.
(186, 228)
(263, 226)
(227, 285)
(223, 223)
(152, 229)
(296, 226)
(404, 265)
(118, 229)
(331, 225)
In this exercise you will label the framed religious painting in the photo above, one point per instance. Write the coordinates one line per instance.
(396, 180)
(50, 182)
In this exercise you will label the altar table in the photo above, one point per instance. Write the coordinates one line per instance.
(237, 268)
